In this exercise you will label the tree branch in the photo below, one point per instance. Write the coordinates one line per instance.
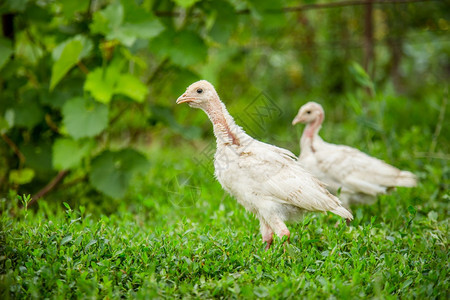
(82, 67)
(14, 147)
(50, 186)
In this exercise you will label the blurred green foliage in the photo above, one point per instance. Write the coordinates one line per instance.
(85, 85)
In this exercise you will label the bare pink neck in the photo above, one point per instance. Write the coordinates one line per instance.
(312, 130)
(225, 129)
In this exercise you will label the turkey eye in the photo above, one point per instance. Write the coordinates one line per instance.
(308, 112)
(199, 91)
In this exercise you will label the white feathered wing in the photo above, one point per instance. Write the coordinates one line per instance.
(287, 182)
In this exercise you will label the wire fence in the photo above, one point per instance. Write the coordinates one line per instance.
(305, 7)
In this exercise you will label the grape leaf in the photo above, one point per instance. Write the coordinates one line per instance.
(84, 117)
(104, 83)
(100, 24)
(85, 42)
(128, 33)
(68, 153)
(125, 22)
(68, 58)
(107, 20)
(111, 172)
(27, 113)
(132, 87)
(101, 83)
(226, 21)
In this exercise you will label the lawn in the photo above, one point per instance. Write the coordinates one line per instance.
(177, 234)
(130, 205)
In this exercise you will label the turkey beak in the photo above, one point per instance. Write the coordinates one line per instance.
(297, 119)
(184, 98)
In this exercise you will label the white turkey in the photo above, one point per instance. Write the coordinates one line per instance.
(359, 176)
(265, 179)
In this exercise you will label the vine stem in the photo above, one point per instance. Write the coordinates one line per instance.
(14, 147)
(50, 186)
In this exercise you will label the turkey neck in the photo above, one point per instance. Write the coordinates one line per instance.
(225, 129)
(311, 133)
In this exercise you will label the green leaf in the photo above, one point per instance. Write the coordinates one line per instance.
(185, 3)
(91, 242)
(184, 48)
(21, 176)
(100, 24)
(188, 48)
(70, 7)
(126, 22)
(85, 42)
(360, 75)
(69, 57)
(67, 89)
(66, 239)
(4, 125)
(407, 283)
(104, 83)
(225, 23)
(132, 87)
(269, 12)
(107, 20)
(126, 37)
(26, 113)
(101, 83)
(67, 206)
(138, 23)
(128, 33)
(112, 171)
(5, 51)
(134, 58)
(68, 153)
(84, 118)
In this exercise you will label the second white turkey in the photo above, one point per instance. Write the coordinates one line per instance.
(359, 176)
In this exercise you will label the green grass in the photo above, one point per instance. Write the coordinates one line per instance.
(166, 239)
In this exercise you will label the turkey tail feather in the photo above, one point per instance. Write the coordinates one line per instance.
(406, 179)
(341, 211)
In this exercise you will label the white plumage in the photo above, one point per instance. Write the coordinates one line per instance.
(265, 179)
(359, 176)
